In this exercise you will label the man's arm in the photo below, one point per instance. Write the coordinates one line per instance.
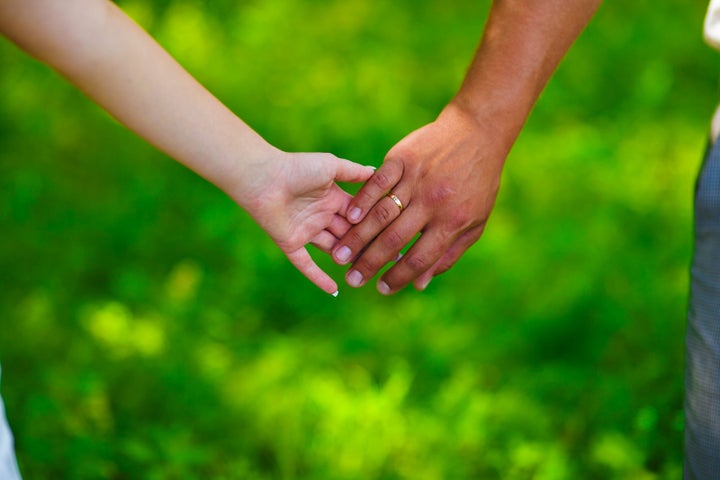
(446, 174)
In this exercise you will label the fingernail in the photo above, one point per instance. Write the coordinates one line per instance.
(354, 278)
(354, 214)
(383, 288)
(336, 293)
(343, 254)
(372, 166)
(399, 256)
(423, 285)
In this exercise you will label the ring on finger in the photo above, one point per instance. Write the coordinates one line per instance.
(395, 199)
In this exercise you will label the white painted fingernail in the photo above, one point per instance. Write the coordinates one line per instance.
(336, 293)
(383, 288)
(343, 254)
(354, 214)
(354, 278)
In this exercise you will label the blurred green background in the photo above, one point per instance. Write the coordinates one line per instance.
(151, 330)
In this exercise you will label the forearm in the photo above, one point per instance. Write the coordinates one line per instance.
(106, 55)
(523, 43)
(447, 173)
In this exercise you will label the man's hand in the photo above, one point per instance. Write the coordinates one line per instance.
(446, 176)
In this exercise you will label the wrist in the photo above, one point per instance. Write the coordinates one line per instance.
(496, 128)
(249, 172)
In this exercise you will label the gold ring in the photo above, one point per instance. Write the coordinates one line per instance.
(397, 201)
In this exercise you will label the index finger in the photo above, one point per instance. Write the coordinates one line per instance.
(384, 179)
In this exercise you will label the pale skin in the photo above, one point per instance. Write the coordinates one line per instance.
(447, 173)
(92, 43)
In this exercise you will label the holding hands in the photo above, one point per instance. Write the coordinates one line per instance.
(438, 184)
(444, 178)
(294, 198)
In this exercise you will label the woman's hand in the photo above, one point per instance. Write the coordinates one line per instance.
(294, 198)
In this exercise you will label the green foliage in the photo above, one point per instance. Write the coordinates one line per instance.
(151, 330)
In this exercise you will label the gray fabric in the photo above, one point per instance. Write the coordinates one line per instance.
(8, 464)
(702, 367)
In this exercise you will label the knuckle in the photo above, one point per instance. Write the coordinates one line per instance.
(389, 173)
(381, 180)
(440, 194)
(382, 214)
(392, 241)
(399, 155)
(365, 197)
(462, 219)
(416, 263)
(355, 238)
(457, 221)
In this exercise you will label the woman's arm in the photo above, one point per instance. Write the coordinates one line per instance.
(116, 63)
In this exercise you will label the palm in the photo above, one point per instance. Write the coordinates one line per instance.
(299, 203)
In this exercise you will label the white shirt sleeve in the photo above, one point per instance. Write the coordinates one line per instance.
(8, 463)
(711, 31)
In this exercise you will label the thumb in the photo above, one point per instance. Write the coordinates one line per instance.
(347, 171)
